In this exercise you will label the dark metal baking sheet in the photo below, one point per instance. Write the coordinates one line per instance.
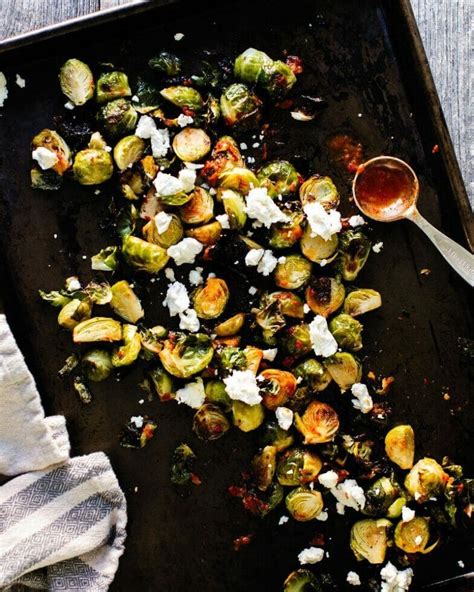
(365, 58)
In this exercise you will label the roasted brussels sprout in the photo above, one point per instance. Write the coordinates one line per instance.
(74, 312)
(199, 209)
(321, 190)
(304, 504)
(369, 540)
(184, 97)
(231, 326)
(208, 234)
(216, 393)
(413, 536)
(274, 435)
(277, 79)
(301, 580)
(127, 353)
(277, 386)
(254, 356)
(361, 301)
(118, 118)
(210, 300)
(185, 355)
(225, 156)
(344, 369)
(97, 329)
(92, 167)
(234, 206)
(166, 63)
(125, 302)
(325, 295)
(239, 179)
(347, 331)
(127, 151)
(191, 144)
(52, 141)
(400, 446)
(96, 365)
(426, 479)
(112, 85)
(269, 317)
(313, 374)
(318, 424)
(77, 81)
(163, 383)
(231, 358)
(249, 65)
(298, 466)
(354, 249)
(286, 234)
(297, 340)
(144, 256)
(293, 273)
(263, 467)
(240, 107)
(380, 496)
(105, 260)
(279, 177)
(316, 249)
(247, 417)
(182, 464)
(210, 423)
(171, 236)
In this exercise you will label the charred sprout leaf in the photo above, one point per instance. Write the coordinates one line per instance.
(184, 97)
(166, 63)
(127, 151)
(426, 479)
(263, 467)
(126, 221)
(163, 384)
(210, 423)
(293, 273)
(304, 504)
(400, 446)
(380, 496)
(318, 424)
(344, 369)
(144, 256)
(199, 209)
(279, 178)
(277, 79)
(347, 331)
(354, 249)
(297, 340)
(191, 144)
(138, 432)
(210, 300)
(209, 76)
(148, 96)
(82, 390)
(182, 463)
(105, 260)
(325, 295)
(118, 118)
(184, 355)
(93, 167)
(70, 364)
(361, 301)
(274, 435)
(287, 234)
(77, 81)
(316, 249)
(247, 417)
(298, 466)
(112, 85)
(321, 190)
(55, 298)
(269, 317)
(300, 400)
(301, 580)
(313, 374)
(277, 386)
(125, 303)
(97, 329)
(52, 141)
(216, 394)
(74, 312)
(96, 365)
(240, 107)
(47, 180)
(127, 353)
(369, 540)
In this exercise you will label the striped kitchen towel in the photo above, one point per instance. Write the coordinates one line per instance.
(62, 524)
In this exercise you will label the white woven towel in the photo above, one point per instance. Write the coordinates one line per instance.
(62, 525)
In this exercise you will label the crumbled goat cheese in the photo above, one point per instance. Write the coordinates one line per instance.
(281, 259)
(196, 166)
(350, 494)
(160, 142)
(178, 36)
(306, 308)
(243, 146)
(167, 184)
(418, 539)
(355, 221)
(253, 290)
(69, 105)
(322, 223)
(223, 220)
(21, 82)
(146, 126)
(353, 579)
(137, 420)
(185, 251)
(311, 555)
(44, 157)
(3, 89)
(162, 221)
(267, 263)
(363, 401)
(73, 284)
(195, 276)
(184, 120)
(211, 275)
(253, 257)
(284, 417)
(192, 394)
(187, 178)
(188, 320)
(283, 520)
(377, 247)
(322, 339)
(241, 385)
(169, 274)
(461, 564)
(261, 207)
(255, 144)
(135, 99)
(394, 580)
(322, 516)
(329, 479)
(177, 299)
(270, 354)
(407, 514)
(340, 508)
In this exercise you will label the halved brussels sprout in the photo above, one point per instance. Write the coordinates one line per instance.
(125, 302)
(361, 301)
(316, 249)
(344, 369)
(369, 540)
(313, 374)
(426, 479)
(225, 155)
(93, 167)
(304, 504)
(300, 399)
(184, 97)
(231, 358)
(413, 536)
(118, 118)
(269, 317)
(166, 63)
(74, 312)
(96, 365)
(286, 234)
(297, 340)
(231, 326)
(400, 446)
(301, 580)
(97, 141)
(293, 273)
(240, 107)
(277, 79)
(97, 329)
(127, 353)
(163, 383)
(99, 293)
(277, 386)
(274, 435)
(254, 356)
(144, 256)
(318, 424)
(279, 177)
(112, 85)
(239, 179)
(171, 236)
(234, 206)
(182, 464)
(127, 151)
(291, 305)
(199, 209)
(354, 249)
(210, 423)
(105, 260)
(263, 467)
(347, 331)
(210, 300)
(184, 355)
(191, 144)
(325, 295)
(77, 81)
(298, 466)
(216, 393)
(208, 234)
(247, 417)
(380, 496)
(321, 190)
(52, 141)
(248, 65)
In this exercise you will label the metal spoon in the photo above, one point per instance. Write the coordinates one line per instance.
(395, 174)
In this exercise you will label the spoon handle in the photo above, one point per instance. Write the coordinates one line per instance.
(458, 257)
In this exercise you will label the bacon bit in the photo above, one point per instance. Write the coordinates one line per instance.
(286, 104)
(207, 255)
(295, 63)
(386, 385)
(435, 149)
(147, 433)
(426, 381)
(318, 540)
(425, 271)
(195, 480)
(236, 491)
(289, 361)
(241, 541)
(371, 375)
(189, 112)
(250, 501)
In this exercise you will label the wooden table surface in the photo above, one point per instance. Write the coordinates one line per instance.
(445, 26)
